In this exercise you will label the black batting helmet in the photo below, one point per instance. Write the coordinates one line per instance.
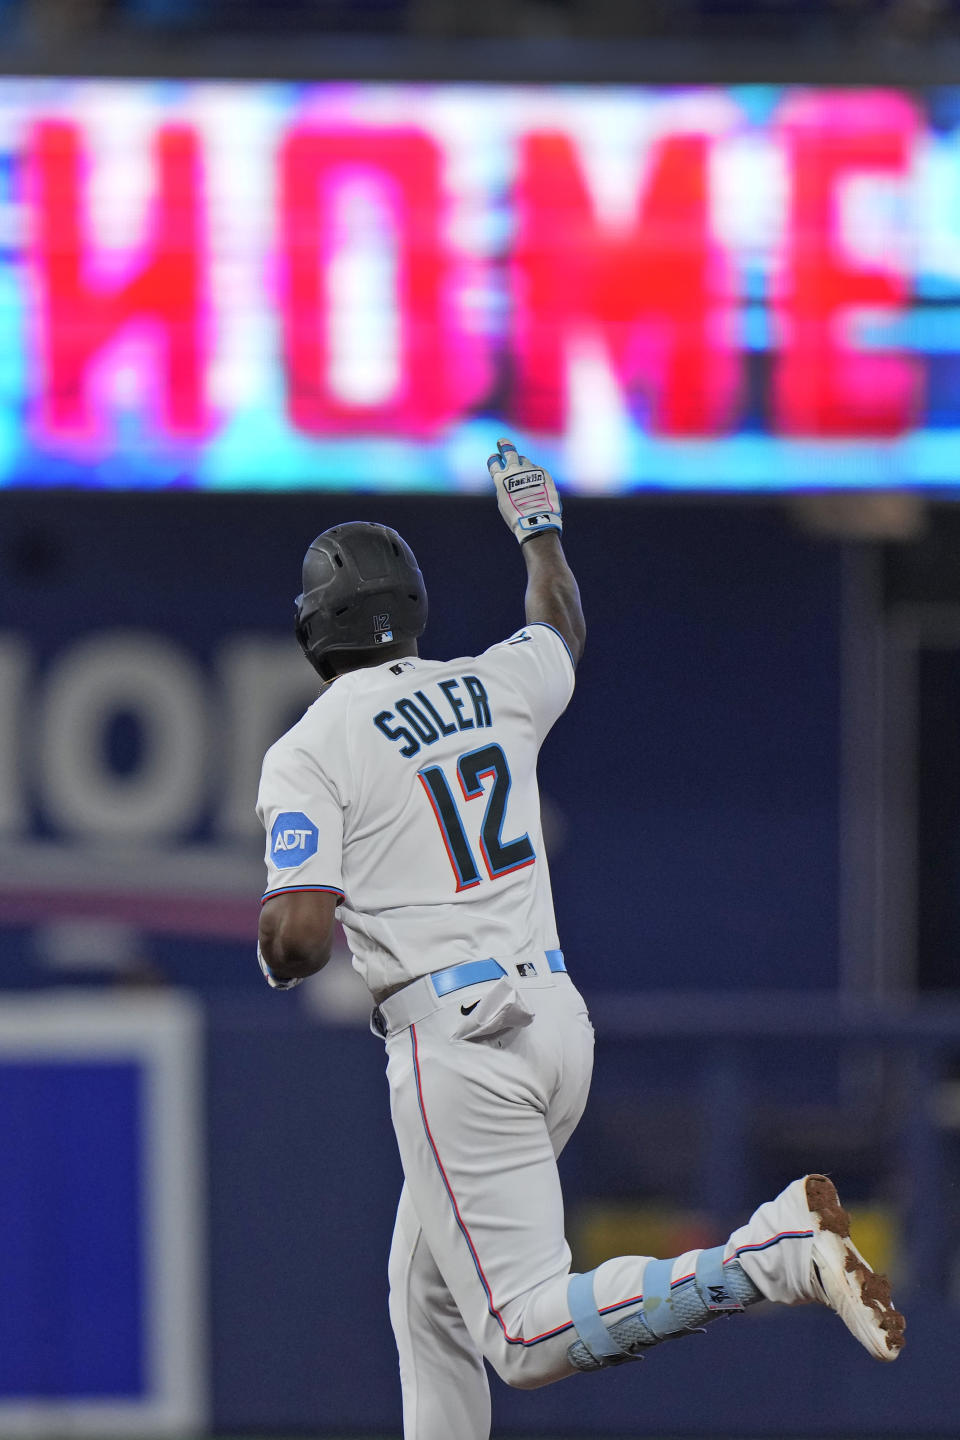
(362, 588)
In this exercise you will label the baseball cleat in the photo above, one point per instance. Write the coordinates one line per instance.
(842, 1279)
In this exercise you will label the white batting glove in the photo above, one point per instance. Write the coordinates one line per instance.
(272, 980)
(526, 495)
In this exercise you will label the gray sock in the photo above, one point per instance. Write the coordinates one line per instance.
(634, 1335)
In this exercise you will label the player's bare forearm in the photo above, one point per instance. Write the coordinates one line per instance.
(296, 933)
(553, 596)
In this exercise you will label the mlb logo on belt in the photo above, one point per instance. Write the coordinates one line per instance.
(293, 839)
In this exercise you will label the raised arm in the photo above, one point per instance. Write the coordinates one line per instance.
(530, 506)
(552, 594)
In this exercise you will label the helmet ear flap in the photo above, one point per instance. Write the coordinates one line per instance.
(301, 628)
(300, 625)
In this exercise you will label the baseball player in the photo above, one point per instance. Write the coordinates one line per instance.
(404, 804)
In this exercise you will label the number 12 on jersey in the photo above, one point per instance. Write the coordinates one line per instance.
(500, 857)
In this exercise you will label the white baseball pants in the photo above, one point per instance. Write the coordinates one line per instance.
(479, 1265)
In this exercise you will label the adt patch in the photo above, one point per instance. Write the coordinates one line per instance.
(293, 839)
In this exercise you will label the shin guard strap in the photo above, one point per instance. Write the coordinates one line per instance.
(586, 1318)
(711, 1281)
(657, 1307)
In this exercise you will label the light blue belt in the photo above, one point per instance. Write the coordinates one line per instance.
(471, 972)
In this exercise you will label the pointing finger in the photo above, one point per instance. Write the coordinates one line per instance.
(505, 457)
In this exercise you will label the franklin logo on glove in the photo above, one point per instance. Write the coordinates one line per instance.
(523, 482)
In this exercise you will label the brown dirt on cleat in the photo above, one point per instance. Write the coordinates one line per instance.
(875, 1290)
(824, 1201)
(822, 1197)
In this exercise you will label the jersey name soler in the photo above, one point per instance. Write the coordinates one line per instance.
(428, 721)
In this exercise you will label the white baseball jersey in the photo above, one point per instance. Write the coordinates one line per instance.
(409, 789)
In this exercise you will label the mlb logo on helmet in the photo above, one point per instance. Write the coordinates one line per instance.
(382, 634)
(293, 839)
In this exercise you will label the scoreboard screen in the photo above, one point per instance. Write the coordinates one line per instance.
(229, 286)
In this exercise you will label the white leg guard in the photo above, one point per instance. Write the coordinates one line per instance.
(680, 1297)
